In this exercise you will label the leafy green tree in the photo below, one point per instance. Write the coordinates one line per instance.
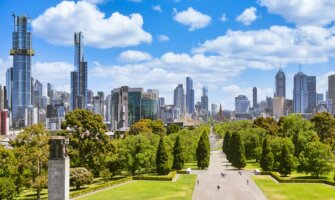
(89, 145)
(324, 125)
(286, 161)
(238, 159)
(31, 149)
(267, 159)
(172, 128)
(315, 159)
(162, 159)
(226, 141)
(178, 158)
(105, 174)
(203, 151)
(7, 188)
(80, 176)
(8, 162)
(293, 124)
(276, 146)
(269, 124)
(136, 153)
(231, 147)
(157, 127)
(301, 140)
(252, 143)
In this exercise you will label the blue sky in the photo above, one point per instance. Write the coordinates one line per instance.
(230, 46)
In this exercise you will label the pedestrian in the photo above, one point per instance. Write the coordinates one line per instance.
(247, 182)
(218, 187)
(197, 182)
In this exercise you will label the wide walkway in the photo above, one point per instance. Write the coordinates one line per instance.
(232, 187)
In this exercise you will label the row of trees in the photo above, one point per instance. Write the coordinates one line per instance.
(292, 143)
(234, 149)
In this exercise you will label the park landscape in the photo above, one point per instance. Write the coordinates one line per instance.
(294, 158)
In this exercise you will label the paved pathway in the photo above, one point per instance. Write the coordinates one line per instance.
(232, 187)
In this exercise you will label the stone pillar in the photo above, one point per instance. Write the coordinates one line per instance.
(58, 170)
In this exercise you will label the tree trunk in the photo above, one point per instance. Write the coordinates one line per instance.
(38, 195)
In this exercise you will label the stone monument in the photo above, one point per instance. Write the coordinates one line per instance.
(58, 169)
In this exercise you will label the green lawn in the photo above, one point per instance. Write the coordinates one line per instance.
(252, 164)
(192, 165)
(181, 189)
(294, 191)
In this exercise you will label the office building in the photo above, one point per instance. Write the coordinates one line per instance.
(38, 94)
(189, 95)
(280, 84)
(50, 90)
(90, 96)
(304, 93)
(311, 87)
(242, 104)
(4, 122)
(21, 87)
(319, 98)
(254, 97)
(9, 82)
(204, 100)
(161, 102)
(2, 98)
(98, 105)
(278, 106)
(5, 98)
(79, 76)
(331, 94)
(179, 99)
(108, 108)
(169, 114)
(214, 109)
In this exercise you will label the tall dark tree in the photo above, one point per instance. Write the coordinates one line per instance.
(226, 141)
(238, 159)
(203, 151)
(89, 145)
(286, 161)
(267, 158)
(231, 147)
(162, 159)
(178, 159)
(324, 125)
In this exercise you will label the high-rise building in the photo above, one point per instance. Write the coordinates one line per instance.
(5, 93)
(161, 102)
(189, 95)
(38, 93)
(242, 104)
(79, 75)
(254, 97)
(319, 98)
(304, 93)
(204, 100)
(90, 95)
(280, 84)
(214, 109)
(331, 94)
(179, 98)
(9, 83)
(98, 105)
(50, 90)
(108, 108)
(4, 122)
(2, 98)
(278, 106)
(21, 87)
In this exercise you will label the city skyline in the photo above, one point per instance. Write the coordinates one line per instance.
(184, 51)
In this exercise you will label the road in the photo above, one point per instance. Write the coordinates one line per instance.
(232, 187)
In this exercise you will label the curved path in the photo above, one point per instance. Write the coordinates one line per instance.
(232, 187)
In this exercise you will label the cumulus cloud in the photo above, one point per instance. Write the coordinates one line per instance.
(157, 8)
(163, 38)
(57, 25)
(278, 45)
(223, 18)
(303, 12)
(134, 56)
(95, 1)
(248, 16)
(192, 18)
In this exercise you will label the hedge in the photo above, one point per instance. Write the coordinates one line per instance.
(99, 187)
(168, 177)
(183, 171)
(281, 180)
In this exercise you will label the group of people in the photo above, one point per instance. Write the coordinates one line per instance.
(223, 174)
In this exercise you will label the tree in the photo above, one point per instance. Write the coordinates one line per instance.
(203, 151)
(269, 124)
(89, 145)
(293, 124)
(276, 149)
(7, 188)
(238, 159)
(136, 153)
(31, 148)
(162, 159)
(324, 125)
(267, 159)
(231, 147)
(178, 158)
(157, 127)
(105, 174)
(172, 128)
(252, 143)
(315, 159)
(80, 176)
(286, 161)
(226, 141)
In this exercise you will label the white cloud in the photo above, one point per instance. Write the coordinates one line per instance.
(157, 8)
(95, 1)
(279, 45)
(163, 38)
(135, 1)
(248, 16)
(223, 18)
(134, 56)
(322, 83)
(57, 25)
(192, 18)
(4, 65)
(303, 12)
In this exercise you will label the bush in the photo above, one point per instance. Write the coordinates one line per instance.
(80, 176)
(172, 128)
(105, 174)
(7, 188)
(168, 177)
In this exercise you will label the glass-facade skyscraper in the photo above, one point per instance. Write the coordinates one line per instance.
(179, 98)
(304, 93)
(189, 95)
(204, 99)
(21, 85)
(280, 84)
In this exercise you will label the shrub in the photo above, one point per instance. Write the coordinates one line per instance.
(80, 176)
(105, 175)
(7, 188)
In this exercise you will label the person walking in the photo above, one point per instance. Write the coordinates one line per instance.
(197, 182)
(247, 182)
(218, 187)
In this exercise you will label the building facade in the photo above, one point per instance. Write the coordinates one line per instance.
(331, 94)
(204, 100)
(179, 99)
(242, 104)
(280, 84)
(189, 95)
(304, 93)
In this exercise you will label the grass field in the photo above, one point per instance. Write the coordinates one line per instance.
(252, 164)
(137, 190)
(294, 191)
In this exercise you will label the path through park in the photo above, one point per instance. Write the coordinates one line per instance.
(232, 187)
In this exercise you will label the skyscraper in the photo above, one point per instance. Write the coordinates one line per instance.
(280, 84)
(179, 99)
(311, 87)
(2, 98)
(50, 90)
(79, 75)
(242, 104)
(9, 83)
(189, 95)
(254, 97)
(300, 93)
(204, 99)
(331, 94)
(21, 87)
(38, 93)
